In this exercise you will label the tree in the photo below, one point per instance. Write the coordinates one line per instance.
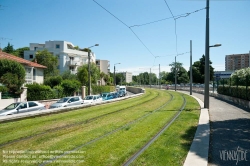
(67, 75)
(182, 75)
(119, 78)
(8, 49)
(241, 77)
(82, 74)
(20, 51)
(53, 81)
(12, 75)
(102, 75)
(70, 86)
(47, 59)
(199, 70)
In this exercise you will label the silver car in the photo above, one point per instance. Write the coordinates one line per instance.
(67, 101)
(21, 107)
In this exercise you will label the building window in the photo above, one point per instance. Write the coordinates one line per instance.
(31, 56)
(57, 45)
(34, 74)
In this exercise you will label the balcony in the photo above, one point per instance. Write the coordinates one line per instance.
(73, 71)
(74, 63)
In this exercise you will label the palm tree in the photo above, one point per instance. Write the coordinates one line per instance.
(102, 75)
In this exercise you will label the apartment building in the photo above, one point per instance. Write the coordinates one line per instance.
(128, 76)
(103, 65)
(69, 58)
(237, 61)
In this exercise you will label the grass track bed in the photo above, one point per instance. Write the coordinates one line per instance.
(112, 149)
(43, 124)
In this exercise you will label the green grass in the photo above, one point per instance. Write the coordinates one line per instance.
(172, 146)
(132, 127)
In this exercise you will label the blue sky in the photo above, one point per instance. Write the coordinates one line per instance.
(85, 23)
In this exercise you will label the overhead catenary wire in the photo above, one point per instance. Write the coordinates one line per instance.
(126, 26)
(163, 19)
(176, 45)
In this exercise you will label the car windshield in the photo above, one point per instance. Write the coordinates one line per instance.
(63, 100)
(88, 98)
(12, 106)
(104, 95)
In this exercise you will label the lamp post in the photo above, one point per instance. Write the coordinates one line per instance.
(89, 68)
(114, 73)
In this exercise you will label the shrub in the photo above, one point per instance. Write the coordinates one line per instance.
(234, 91)
(100, 89)
(70, 86)
(39, 92)
(53, 81)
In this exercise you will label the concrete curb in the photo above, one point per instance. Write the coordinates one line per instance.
(198, 152)
(33, 114)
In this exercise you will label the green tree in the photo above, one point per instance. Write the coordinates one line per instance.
(12, 75)
(70, 86)
(53, 81)
(199, 70)
(8, 49)
(82, 74)
(67, 75)
(47, 59)
(182, 75)
(241, 77)
(102, 75)
(20, 51)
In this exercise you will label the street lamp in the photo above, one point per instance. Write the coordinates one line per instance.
(89, 67)
(114, 73)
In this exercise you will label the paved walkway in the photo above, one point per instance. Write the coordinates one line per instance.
(229, 133)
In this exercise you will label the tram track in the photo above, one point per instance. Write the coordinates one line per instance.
(76, 124)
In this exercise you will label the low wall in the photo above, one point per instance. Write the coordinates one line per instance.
(135, 90)
(5, 102)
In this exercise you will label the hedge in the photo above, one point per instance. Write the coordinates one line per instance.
(239, 92)
(101, 89)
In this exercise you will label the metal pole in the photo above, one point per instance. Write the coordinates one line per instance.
(191, 69)
(89, 73)
(175, 75)
(150, 78)
(114, 76)
(207, 74)
(159, 76)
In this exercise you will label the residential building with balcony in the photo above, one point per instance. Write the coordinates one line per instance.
(34, 71)
(68, 57)
(237, 61)
(103, 65)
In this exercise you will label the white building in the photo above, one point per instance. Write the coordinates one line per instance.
(103, 65)
(128, 76)
(34, 71)
(69, 58)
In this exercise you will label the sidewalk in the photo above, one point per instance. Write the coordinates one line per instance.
(229, 133)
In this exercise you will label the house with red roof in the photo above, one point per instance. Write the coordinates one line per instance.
(34, 71)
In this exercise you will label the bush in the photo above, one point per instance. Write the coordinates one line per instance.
(3, 89)
(58, 91)
(70, 86)
(101, 89)
(234, 91)
(39, 92)
(53, 81)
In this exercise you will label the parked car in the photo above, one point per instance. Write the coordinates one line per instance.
(115, 95)
(67, 101)
(92, 99)
(21, 107)
(121, 93)
(107, 96)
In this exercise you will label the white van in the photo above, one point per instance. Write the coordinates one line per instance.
(122, 88)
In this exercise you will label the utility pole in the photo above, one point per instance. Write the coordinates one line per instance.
(207, 74)
(191, 69)
(175, 75)
(159, 76)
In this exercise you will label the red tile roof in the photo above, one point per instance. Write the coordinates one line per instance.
(4, 55)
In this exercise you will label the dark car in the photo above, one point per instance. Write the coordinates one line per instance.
(115, 95)
(121, 93)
